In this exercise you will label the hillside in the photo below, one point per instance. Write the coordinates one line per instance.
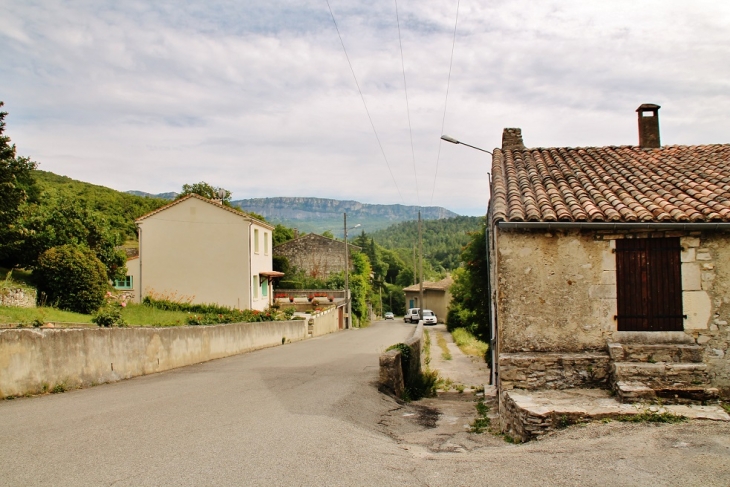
(320, 214)
(118, 208)
(164, 196)
(443, 240)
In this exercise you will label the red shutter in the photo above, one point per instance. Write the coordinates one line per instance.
(649, 284)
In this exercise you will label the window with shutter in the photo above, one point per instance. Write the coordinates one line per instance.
(649, 284)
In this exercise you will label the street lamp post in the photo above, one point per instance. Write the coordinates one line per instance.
(492, 324)
(348, 323)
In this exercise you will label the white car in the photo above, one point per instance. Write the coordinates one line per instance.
(412, 315)
(429, 317)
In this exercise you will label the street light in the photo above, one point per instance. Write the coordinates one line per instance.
(347, 276)
(454, 141)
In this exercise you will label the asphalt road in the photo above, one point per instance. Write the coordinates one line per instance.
(309, 414)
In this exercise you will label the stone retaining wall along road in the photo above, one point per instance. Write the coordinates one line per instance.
(34, 360)
(393, 374)
(325, 322)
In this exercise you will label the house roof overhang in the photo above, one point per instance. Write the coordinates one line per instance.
(613, 226)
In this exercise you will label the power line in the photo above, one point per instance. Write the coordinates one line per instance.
(448, 82)
(363, 102)
(408, 108)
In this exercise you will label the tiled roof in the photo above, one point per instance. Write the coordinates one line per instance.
(612, 184)
(222, 207)
(441, 285)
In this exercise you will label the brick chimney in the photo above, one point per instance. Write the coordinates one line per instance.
(512, 139)
(649, 126)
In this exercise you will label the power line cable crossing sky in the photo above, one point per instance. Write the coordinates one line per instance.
(254, 97)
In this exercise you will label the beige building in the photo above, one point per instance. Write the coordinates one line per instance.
(436, 297)
(199, 251)
(610, 267)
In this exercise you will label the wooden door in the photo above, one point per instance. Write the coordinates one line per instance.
(649, 284)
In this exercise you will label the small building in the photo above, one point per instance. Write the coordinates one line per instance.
(316, 255)
(610, 267)
(436, 297)
(199, 251)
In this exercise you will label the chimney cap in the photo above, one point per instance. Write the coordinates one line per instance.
(645, 107)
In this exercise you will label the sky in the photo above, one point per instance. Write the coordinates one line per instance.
(259, 98)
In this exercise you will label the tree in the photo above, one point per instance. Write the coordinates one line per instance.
(282, 234)
(17, 187)
(470, 300)
(206, 191)
(71, 278)
(328, 234)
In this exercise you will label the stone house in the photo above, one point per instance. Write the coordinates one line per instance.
(436, 297)
(199, 251)
(316, 255)
(610, 267)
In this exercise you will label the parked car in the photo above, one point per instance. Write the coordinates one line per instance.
(412, 315)
(389, 316)
(429, 317)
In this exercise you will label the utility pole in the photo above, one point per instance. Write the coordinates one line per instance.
(420, 265)
(348, 306)
(415, 264)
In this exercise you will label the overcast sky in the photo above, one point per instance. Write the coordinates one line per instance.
(258, 97)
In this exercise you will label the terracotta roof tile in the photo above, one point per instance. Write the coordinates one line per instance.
(612, 184)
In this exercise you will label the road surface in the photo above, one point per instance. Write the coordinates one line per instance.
(309, 414)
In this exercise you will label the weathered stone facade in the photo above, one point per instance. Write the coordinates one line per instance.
(532, 371)
(316, 255)
(18, 297)
(556, 293)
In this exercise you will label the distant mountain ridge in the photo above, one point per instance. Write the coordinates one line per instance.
(165, 196)
(321, 214)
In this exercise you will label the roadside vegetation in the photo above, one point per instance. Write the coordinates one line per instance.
(469, 344)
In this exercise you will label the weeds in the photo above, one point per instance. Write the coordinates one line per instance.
(59, 388)
(445, 354)
(469, 344)
(649, 416)
(482, 422)
(725, 406)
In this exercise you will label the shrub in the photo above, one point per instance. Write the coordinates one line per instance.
(110, 314)
(71, 278)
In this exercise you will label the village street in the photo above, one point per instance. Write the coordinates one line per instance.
(309, 414)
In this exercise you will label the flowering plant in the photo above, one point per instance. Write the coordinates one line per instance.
(110, 313)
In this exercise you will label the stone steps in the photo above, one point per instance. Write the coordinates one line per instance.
(663, 352)
(632, 392)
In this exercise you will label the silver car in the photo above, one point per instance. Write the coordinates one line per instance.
(429, 317)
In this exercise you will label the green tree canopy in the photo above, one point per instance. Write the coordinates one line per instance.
(206, 191)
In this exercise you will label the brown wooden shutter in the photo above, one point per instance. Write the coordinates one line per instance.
(649, 284)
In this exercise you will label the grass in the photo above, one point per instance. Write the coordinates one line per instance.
(445, 354)
(649, 416)
(726, 406)
(427, 350)
(481, 422)
(469, 344)
(15, 277)
(133, 314)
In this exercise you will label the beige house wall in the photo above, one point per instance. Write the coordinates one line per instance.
(133, 270)
(556, 292)
(435, 300)
(260, 261)
(195, 251)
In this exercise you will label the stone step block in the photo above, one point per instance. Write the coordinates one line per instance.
(630, 392)
(663, 352)
(661, 375)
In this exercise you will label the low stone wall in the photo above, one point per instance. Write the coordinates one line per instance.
(34, 360)
(532, 371)
(393, 374)
(18, 297)
(324, 322)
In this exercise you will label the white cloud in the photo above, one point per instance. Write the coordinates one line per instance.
(259, 98)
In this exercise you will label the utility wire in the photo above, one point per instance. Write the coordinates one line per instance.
(363, 102)
(408, 108)
(448, 82)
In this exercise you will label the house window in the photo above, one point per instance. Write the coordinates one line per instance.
(649, 284)
(255, 286)
(256, 240)
(266, 243)
(125, 283)
(265, 287)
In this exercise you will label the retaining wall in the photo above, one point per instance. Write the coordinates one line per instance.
(394, 375)
(325, 322)
(34, 360)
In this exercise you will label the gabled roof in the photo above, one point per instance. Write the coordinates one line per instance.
(313, 236)
(210, 202)
(612, 184)
(441, 285)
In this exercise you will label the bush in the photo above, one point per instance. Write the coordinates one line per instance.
(111, 313)
(71, 278)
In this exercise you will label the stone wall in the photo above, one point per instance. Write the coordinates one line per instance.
(17, 297)
(394, 374)
(318, 256)
(533, 371)
(325, 322)
(34, 360)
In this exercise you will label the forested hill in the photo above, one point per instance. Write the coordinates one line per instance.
(320, 214)
(117, 208)
(443, 240)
